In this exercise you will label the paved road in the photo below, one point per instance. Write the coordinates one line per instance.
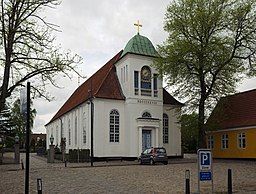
(124, 177)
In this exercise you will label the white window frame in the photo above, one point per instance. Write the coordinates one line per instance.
(210, 142)
(165, 128)
(241, 140)
(76, 129)
(69, 132)
(84, 128)
(224, 141)
(114, 127)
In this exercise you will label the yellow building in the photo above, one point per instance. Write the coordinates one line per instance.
(231, 128)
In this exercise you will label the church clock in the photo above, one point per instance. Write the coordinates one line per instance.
(145, 73)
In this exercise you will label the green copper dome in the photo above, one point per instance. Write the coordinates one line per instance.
(140, 45)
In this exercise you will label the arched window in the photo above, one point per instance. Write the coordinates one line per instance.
(57, 135)
(145, 81)
(114, 126)
(165, 128)
(146, 115)
(69, 132)
(84, 128)
(76, 130)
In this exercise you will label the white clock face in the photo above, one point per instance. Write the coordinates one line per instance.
(145, 74)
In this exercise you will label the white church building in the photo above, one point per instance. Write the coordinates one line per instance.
(131, 109)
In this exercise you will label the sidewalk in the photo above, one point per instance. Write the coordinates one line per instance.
(124, 177)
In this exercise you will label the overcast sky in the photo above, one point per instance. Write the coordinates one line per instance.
(97, 30)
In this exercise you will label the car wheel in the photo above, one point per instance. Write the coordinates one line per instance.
(152, 162)
(165, 163)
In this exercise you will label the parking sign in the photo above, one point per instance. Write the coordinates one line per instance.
(204, 166)
(205, 160)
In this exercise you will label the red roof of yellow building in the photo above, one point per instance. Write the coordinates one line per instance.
(234, 111)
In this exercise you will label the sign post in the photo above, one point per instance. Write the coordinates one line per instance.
(25, 108)
(205, 172)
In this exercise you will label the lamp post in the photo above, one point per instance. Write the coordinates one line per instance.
(51, 151)
(63, 148)
(17, 139)
(1, 152)
(51, 139)
(17, 149)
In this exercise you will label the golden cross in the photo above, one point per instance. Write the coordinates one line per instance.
(138, 26)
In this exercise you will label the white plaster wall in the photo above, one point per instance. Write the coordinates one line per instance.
(135, 110)
(173, 148)
(102, 146)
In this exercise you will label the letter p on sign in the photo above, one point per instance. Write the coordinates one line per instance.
(205, 158)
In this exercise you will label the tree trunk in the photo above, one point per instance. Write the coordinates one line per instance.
(203, 97)
(8, 54)
(201, 131)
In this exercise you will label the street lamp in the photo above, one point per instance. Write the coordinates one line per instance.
(51, 139)
(16, 138)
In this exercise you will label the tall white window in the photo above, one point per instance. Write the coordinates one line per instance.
(224, 141)
(241, 140)
(165, 128)
(84, 128)
(57, 135)
(136, 83)
(76, 130)
(114, 126)
(155, 85)
(210, 142)
(126, 72)
(62, 129)
(69, 132)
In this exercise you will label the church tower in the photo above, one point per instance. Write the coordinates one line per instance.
(137, 76)
(142, 88)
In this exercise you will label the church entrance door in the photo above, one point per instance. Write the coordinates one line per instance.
(146, 139)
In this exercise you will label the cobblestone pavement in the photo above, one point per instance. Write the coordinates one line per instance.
(125, 177)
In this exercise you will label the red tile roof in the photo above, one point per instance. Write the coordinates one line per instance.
(104, 84)
(168, 99)
(238, 110)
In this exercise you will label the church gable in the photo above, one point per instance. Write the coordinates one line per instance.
(110, 88)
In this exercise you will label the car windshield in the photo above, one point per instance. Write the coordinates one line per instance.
(160, 150)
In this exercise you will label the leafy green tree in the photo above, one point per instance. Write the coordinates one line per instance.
(210, 47)
(189, 132)
(20, 120)
(27, 51)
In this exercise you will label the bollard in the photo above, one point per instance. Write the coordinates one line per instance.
(39, 186)
(229, 181)
(65, 163)
(22, 165)
(187, 177)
